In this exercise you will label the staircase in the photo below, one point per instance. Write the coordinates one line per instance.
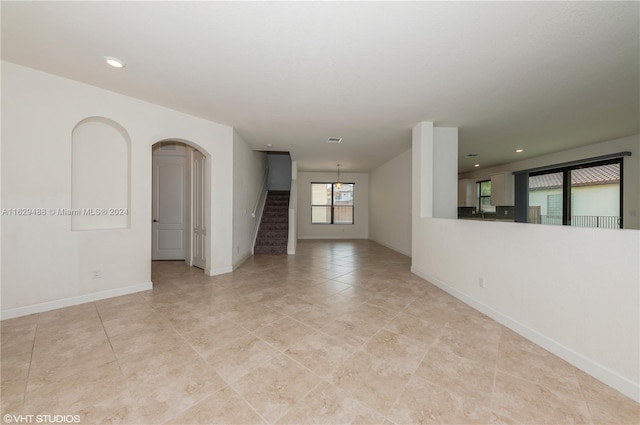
(274, 227)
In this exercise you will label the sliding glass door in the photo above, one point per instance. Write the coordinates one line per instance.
(581, 196)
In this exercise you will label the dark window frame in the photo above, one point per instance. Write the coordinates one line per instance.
(566, 185)
(332, 206)
(480, 197)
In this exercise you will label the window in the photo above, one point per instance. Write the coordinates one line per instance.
(581, 195)
(484, 197)
(332, 203)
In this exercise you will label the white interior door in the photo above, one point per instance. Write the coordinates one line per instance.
(169, 198)
(198, 168)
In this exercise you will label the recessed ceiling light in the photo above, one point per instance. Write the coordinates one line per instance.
(471, 155)
(476, 165)
(334, 140)
(116, 63)
(519, 150)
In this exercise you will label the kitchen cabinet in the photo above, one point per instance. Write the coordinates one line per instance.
(502, 189)
(467, 196)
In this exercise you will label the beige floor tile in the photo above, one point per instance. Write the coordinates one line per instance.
(165, 392)
(327, 404)
(474, 346)
(75, 392)
(350, 329)
(53, 362)
(315, 316)
(370, 380)
(415, 327)
(391, 300)
(142, 319)
(521, 401)
(118, 409)
(143, 342)
(320, 352)
(18, 331)
(276, 386)
(349, 312)
(256, 316)
(606, 405)
(424, 403)
(397, 350)
(223, 407)
(373, 314)
(283, 333)
(133, 366)
(468, 378)
(521, 358)
(206, 340)
(240, 357)
(287, 304)
(113, 308)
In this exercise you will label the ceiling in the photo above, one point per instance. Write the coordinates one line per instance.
(542, 76)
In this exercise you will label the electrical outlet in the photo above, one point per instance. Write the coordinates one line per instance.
(482, 282)
(96, 274)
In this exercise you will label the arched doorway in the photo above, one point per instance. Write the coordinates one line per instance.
(180, 203)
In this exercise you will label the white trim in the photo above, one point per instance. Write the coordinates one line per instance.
(332, 237)
(593, 368)
(386, 245)
(71, 301)
(216, 271)
(238, 263)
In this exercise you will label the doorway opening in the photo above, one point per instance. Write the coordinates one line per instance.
(179, 204)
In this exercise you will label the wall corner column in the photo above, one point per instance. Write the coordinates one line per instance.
(434, 171)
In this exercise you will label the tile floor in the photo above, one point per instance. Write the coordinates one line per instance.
(340, 333)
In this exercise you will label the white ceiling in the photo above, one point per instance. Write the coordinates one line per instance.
(543, 76)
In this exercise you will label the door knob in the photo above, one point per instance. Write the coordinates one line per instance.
(155, 221)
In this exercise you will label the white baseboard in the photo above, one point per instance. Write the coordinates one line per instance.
(625, 386)
(71, 301)
(242, 259)
(396, 249)
(332, 237)
(218, 270)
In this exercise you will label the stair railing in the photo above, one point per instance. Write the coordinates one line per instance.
(262, 195)
(258, 208)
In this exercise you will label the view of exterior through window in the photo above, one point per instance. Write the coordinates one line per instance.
(331, 204)
(593, 196)
(484, 197)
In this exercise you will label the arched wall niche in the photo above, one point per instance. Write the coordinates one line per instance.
(100, 175)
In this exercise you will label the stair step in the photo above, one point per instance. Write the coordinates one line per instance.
(270, 250)
(277, 234)
(272, 242)
(274, 226)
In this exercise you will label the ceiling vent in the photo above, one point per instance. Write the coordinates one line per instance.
(334, 140)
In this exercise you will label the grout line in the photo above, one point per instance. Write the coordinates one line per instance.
(26, 384)
(495, 374)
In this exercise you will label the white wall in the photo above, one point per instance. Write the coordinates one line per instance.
(279, 172)
(48, 265)
(358, 230)
(631, 170)
(390, 204)
(248, 175)
(574, 291)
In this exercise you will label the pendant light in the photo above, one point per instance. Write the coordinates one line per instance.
(338, 182)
